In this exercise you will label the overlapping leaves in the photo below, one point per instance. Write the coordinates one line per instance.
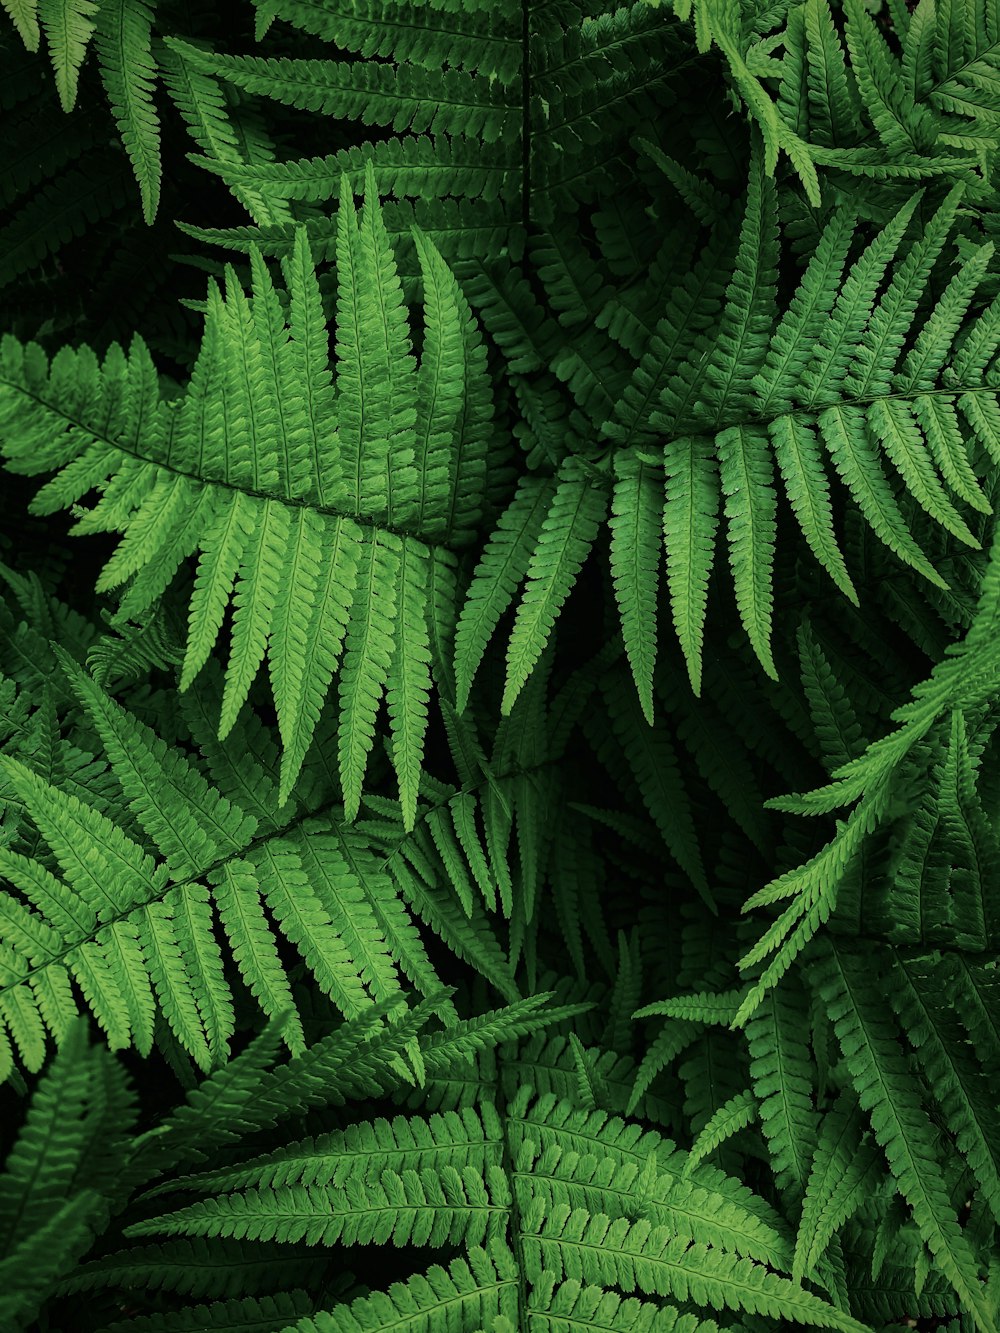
(322, 510)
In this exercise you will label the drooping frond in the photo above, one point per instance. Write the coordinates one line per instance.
(124, 49)
(121, 34)
(68, 26)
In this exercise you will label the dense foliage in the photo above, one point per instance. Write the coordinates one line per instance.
(614, 395)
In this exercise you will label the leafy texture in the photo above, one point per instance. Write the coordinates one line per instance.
(499, 643)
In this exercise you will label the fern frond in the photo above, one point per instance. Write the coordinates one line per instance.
(835, 722)
(728, 1120)
(200, 100)
(124, 50)
(68, 26)
(782, 1084)
(578, 1305)
(900, 1123)
(475, 1289)
(637, 508)
(276, 516)
(501, 568)
(364, 1151)
(137, 933)
(843, 1172)
(191, 824)
(746, 477)
(567, 533)
(690, 521)
(61, 1164)
(637, 1257)
(417, 35)
(833, 98)
(24, 16)
(749, 308)
(448, 102)
(959, 1086)
(428, 1207)
(702, 1205)
(701, 1008)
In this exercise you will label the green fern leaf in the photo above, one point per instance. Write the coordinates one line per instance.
(800, 327)
(238, 900)
(191, 824)
(254, 604)
(843, 433)
(473, 1289)
(472, 40)
(201, 103)
(690, 520)
(310, 621)
(567, 533)
(635, 1256)
(409, 679)
(746, 477)
(833, 102)
(367, 660)
(870, 370)
(701, 1008)
(271, 503)
(748, 311)
(377, 94)
(24, 16)
(636, 506)
(895, 427)
(899, 1121)
(960, 1087)
(841, 333)
(124, 50)
(69, 1149)
(844, 1171)
(781, 1080)
(577, 1305)
(880, 82)
(501, 568)
(300, 913)
(728, 1120)
(363, 1151)
(799, 461)
(429, 1207)
(68, 26)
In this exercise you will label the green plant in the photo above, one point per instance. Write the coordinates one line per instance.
(499, 778)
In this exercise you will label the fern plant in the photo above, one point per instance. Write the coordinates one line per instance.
(612, 394)
(369, 481)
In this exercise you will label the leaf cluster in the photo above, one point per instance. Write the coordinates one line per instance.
(499, 642)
